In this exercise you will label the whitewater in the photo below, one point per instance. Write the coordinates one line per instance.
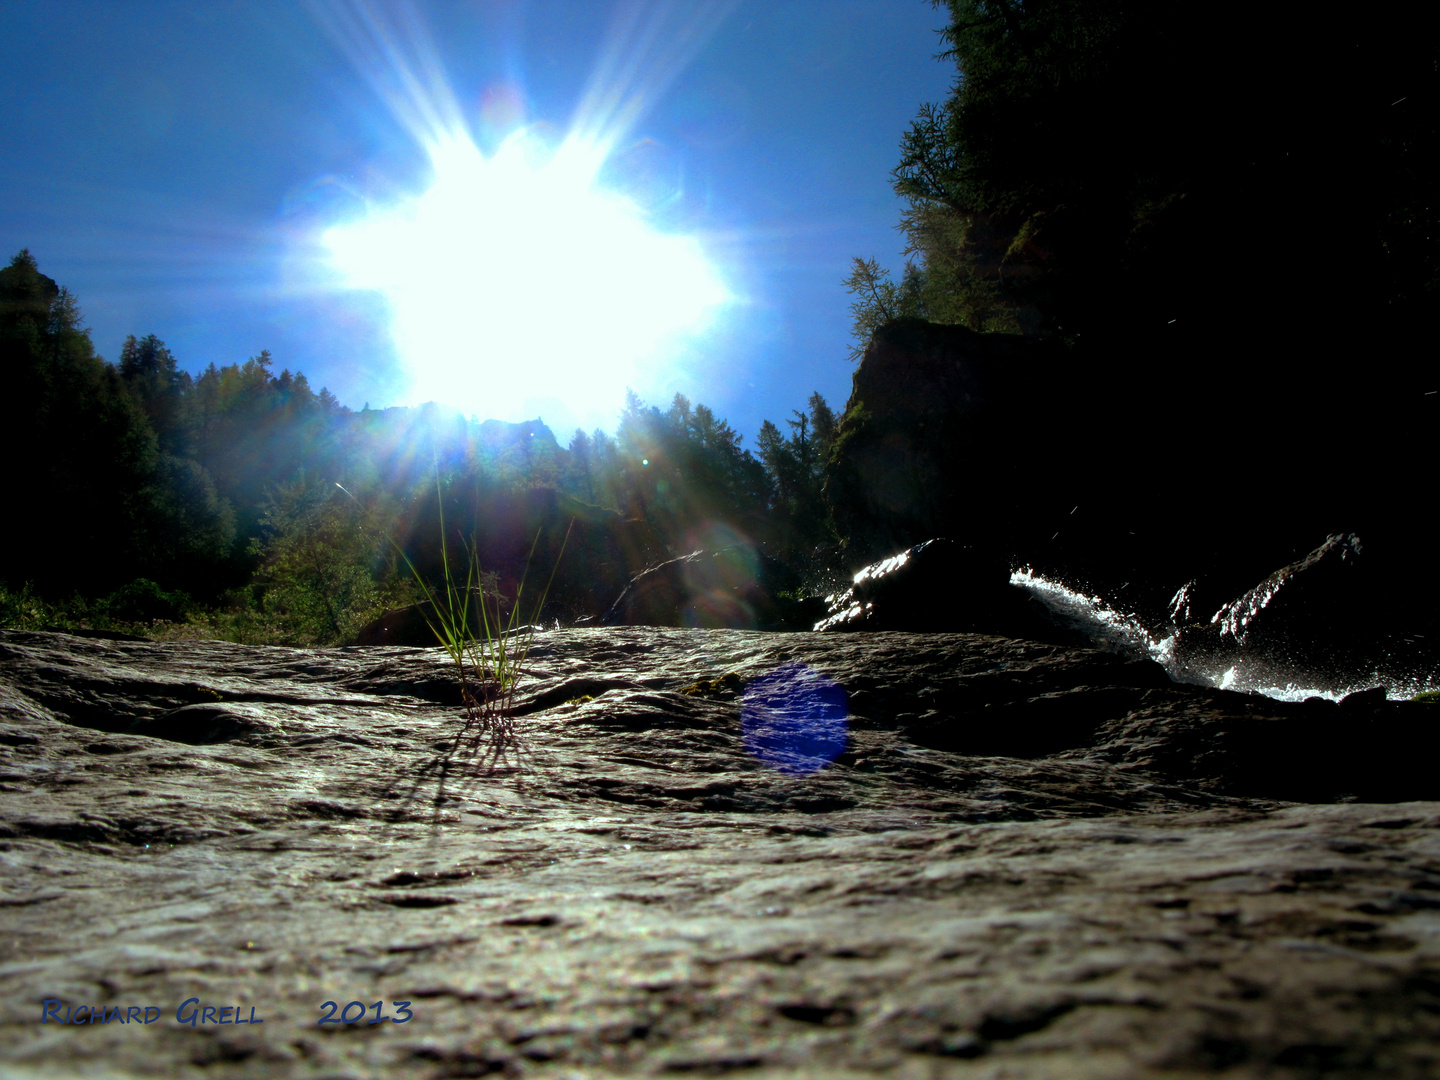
(1107, 626)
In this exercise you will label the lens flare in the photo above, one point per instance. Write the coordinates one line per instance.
(794, 719)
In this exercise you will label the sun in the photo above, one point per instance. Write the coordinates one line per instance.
(515, 279)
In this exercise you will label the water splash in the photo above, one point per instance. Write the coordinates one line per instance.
(1116, 631)
(1093, 616)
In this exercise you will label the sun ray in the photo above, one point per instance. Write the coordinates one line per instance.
(647, 47)
(392, 50)
(515, 276)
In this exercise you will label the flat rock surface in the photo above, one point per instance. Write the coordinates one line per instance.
(1026, 861)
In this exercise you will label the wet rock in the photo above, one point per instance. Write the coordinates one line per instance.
(936, 585)
(1330, 613)
(1137, 468)
(997, 854)
(1303, 607)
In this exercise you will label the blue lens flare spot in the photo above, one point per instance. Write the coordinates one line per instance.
(793, 719)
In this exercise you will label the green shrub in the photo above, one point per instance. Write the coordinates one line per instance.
(26, 610)
(143, 601)
(323, 573)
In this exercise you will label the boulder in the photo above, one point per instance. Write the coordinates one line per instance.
(1330, 614)
(412, 624)
(938, 436)
(936, 585)
(1304, 606)
(1141, 465)
(398, 626)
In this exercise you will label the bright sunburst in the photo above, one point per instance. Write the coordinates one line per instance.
(515, 277)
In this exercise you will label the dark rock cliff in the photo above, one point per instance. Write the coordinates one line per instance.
(941, 437)
(1149, 463)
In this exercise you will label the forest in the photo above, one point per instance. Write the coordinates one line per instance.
(244, 503)
(1131, 182)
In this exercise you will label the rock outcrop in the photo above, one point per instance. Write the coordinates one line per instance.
(1331, 614)
(797, 855)
(940, 437)
(937, 585)
(1144, 466)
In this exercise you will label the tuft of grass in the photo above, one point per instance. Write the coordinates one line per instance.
(1430, 697)
(488, 651)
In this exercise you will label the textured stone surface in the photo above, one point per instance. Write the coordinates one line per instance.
(1028, 861)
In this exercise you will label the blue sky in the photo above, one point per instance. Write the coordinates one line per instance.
(178, 165)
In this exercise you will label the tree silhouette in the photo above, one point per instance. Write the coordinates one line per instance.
(1113, 168)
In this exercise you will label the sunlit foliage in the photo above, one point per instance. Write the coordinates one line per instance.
(682, 469)
(326, 566)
